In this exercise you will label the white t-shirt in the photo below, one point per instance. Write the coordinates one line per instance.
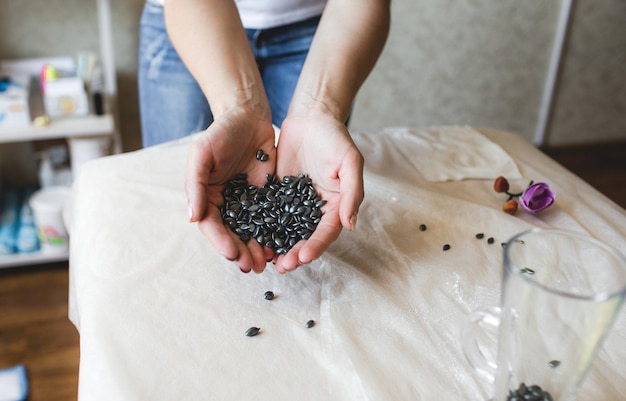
(262, 14)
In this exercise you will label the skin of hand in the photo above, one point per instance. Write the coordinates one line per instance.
(212, 43)
(314, 139)
(321, 145)
(227, 148)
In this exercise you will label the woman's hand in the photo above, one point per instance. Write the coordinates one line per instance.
(227, 148)
(314, 139)
(317, 144)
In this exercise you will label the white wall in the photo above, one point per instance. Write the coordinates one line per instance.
(485, 62)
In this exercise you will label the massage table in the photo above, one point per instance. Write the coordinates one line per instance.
(162, 315)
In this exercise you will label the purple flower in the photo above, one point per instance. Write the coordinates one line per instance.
(536, 197)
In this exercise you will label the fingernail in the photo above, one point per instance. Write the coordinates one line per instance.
(189, 211)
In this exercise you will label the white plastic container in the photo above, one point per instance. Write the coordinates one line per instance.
(85, 149)
(47, 205)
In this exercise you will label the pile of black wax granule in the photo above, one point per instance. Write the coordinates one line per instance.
(277, 215)
(529, 393)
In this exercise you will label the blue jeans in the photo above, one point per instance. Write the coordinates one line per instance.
(171, 102)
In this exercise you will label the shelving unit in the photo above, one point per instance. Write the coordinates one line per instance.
(90, 125)
(28, 259)
(87, 126)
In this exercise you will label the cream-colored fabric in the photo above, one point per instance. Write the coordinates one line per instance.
(162, 317)
(448, 153)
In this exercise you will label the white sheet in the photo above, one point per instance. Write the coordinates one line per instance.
(446, 153)
(161, 316)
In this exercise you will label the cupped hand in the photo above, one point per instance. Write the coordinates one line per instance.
(319, 145)
(227, 148)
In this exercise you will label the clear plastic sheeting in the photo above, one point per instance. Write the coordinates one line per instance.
(163, 316)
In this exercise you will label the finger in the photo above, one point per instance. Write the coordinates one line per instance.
(258, 256)
(222, 239)
(250, 254)
(242, 253)
(325, 234)
(351, 190)
(269, 254)
(245, 261)
(289, 261)
(196, 180)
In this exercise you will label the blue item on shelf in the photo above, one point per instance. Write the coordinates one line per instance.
(13, 383)
(9, 219)
(26, 239)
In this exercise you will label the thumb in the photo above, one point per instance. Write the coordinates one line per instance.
(196, 181)
(351, 191)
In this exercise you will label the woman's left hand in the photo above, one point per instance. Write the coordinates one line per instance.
(320, 146)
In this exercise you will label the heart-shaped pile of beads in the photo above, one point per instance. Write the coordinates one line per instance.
(277, 215)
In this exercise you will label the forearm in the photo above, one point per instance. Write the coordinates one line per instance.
(212, 43)
(347, 44)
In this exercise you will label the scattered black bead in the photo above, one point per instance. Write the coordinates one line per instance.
(423, 227)
(527, 270)
(554, 363)
(269, 295)
(262, 156)
(277, 215)
(480, 236)
(253, 331)
(446, 247)
(490, 240)
(310, 324)
(503, 244)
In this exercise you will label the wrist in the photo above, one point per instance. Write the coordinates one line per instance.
(249, 98)
(318, 102)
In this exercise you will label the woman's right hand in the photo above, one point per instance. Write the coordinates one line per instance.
(227, 148)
